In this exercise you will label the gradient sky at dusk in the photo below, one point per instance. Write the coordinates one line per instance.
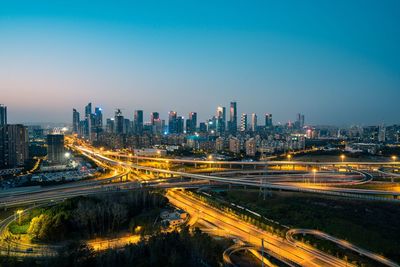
(338, 62)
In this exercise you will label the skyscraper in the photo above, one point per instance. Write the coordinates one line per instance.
(118, 122)
(18, 145)
(98, 118)
(154, 116)
(253, 122)
(55, 148)
(3, 137)
(138, 121)
(172, 123)
(268, 120)
(221, 120)
(75, 121)
(88, 121)
(233, 118)
(243, 123)
(191, 122)
(3, 115)
(179, 124)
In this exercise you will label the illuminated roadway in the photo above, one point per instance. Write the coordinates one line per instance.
(321, 189)
(251, 234)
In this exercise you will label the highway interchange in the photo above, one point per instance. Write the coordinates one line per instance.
(127, 171)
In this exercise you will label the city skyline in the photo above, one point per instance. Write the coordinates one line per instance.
(195, 57)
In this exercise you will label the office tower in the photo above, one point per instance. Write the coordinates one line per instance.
(98, 119)
(253, 122)
(233, 118)
(75, 121)
(179, 124)
(118, 122)
(3, 137)
(299, 121)
(243, 123)
(110, 125)
(202, 127)
(172, 127)
(191, 123)
(88, 110)
(138, 121)
(18, 145)
(154, 116)
(3, 115)
(55, 148)
(127, 126)
(221, 120)
(268, 120)
(88, 121)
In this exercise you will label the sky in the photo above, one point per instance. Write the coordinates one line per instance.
(337, 62)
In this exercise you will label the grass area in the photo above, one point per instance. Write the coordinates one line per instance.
(17, 229)
(371, 225)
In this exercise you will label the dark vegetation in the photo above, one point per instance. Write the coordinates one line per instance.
(103, 215)
(162, 249)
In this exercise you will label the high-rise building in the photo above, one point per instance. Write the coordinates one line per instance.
(18, 145)
(98, 119)
(233, 118)
(172, 123)
(88, 121)
(202, 127)
(138, 121)
(55, 148)
(191, 123)
(154, 116)
(234, 145)
(179, 124)
(243, 123)
(3, 115)
(156, 123)
(268, 120)
(221, 120)
(118, 122)
(253, 122)
(251, 148)
(75, 121)
(299, 123)
(110, 125)
(3, 137)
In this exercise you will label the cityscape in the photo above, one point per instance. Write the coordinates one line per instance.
(111, 155)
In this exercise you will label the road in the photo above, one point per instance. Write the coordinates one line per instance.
(250, 234)
(340, 242)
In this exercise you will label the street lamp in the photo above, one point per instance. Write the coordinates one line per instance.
(289, 157)
(342, 157)
(19, 212)
(394, 158)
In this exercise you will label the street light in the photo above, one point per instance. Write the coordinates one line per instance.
(19, 212)
(289, 157)
(342, 157)
(394, 158)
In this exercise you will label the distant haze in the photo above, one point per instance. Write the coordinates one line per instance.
(337, 62)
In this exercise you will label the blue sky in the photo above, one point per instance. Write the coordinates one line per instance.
(338, 62)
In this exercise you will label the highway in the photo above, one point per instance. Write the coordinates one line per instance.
(339, 242)
(250, 234)
(308, 188)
